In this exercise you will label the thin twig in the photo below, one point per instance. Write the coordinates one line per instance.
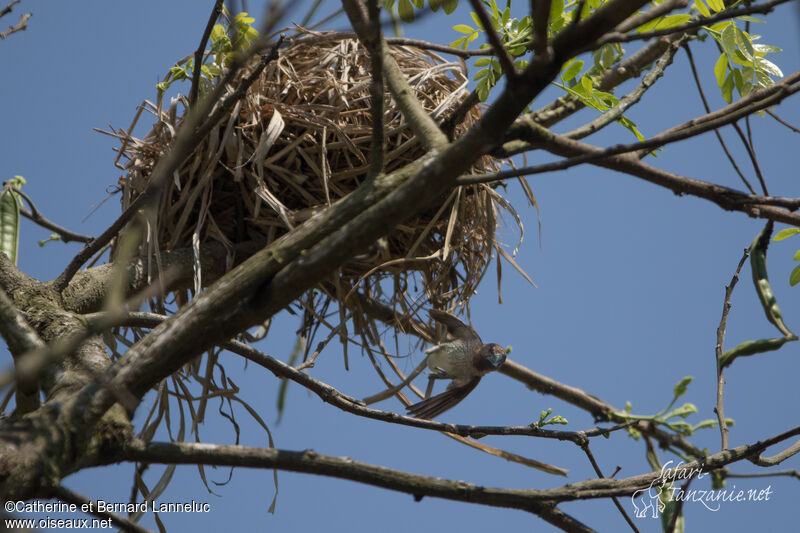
(311, 11)
(702, 93)
(778, 458)
(373, 45)
(698, 22)
(500, 51)
(751, 151)
(198, 54)
(726, 306)
(630, 99)
(585, 447)
(37, 218)
(786, 473)
(6, 10)
(676, 512)
(66, 495)
(780, 120)
(579, 153)
(22, 25)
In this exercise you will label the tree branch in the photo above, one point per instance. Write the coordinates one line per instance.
(418, 485)
(696, 77)
(423, 126)
(20, 338)
(718, 349)
(651, 14)
(6, 10)
(506, 63)
(37, 218)
(22, 25)
(579, 153)
(630, 99)
(345, 468)
(698, 22)
(198, 54)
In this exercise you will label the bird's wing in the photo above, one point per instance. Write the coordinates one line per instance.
(455, 327)
(438, 404)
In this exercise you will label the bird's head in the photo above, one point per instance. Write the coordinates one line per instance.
(490, 357)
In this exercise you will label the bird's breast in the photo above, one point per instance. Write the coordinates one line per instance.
(451, 358)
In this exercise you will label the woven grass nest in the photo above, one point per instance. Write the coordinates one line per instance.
(298, 142)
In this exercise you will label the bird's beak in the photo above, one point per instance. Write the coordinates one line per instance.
(497, 360)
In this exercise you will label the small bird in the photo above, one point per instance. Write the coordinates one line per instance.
(464, 359)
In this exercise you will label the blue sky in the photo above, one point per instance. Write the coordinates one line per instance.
(630, 285)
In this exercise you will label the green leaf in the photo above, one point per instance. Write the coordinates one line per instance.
(476, 19)
(748, 18)
(406, 11)
(51, 238)
(483, 89)
(796, 256)
(243, 18)
(556, 9)
(506, 16)
(572, 70)
(435, 5)
(764, 49)
(671, 21)
(701, 7)
(709, 423)
(586, 83)
(449, 5)
(716, 5)
(459, 42)
(763, 80)
(681, 386)
(419, 4)
(683, 411)
(495, 10)
(769, 67)
(647, 26)
(785, 233)
(744, 44)
(729, 40)
(720, 68)
(217, 33)
(482, 62)
(463, 28)
(727, 88)
(631, 126)
(794, 277)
